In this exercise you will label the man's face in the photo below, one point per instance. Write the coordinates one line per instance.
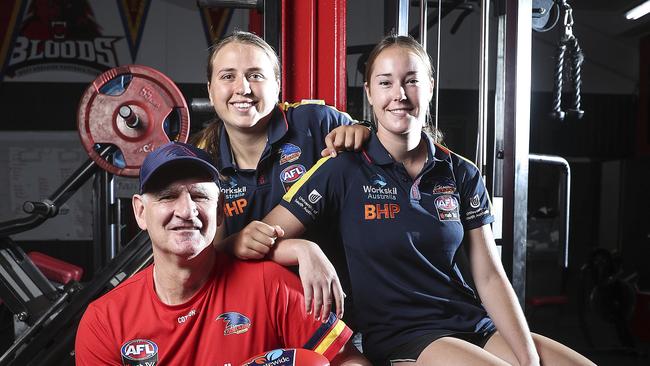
(181, 217)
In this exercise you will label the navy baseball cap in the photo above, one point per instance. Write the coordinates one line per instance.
(177, 153)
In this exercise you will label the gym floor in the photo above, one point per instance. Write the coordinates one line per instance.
(563, 322)
(563, 326)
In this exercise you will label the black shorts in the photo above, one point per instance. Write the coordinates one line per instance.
(409, 352)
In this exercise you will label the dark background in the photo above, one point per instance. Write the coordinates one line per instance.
(610, 175)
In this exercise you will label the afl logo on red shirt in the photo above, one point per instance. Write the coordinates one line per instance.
(139, 352)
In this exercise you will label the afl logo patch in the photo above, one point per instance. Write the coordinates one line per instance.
(139, 352)
(447, 207)
(446, 203)
(292, 173)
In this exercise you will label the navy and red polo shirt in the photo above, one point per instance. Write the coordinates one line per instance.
(402, 239)
(296, 136)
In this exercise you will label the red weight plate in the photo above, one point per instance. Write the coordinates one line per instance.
(288, 357)
(150, 95)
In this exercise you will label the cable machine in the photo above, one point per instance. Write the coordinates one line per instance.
(506, 169)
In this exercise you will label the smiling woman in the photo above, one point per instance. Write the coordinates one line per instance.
(408, 236)
(399, 88)
(244, 86)
(263, 147)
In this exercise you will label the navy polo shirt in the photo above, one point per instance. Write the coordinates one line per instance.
(402, 239)
(296, 136)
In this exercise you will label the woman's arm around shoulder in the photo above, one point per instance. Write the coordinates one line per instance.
(350, 138)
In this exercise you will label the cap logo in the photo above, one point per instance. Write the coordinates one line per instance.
(173, 151)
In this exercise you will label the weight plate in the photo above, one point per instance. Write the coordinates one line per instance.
(135, 108)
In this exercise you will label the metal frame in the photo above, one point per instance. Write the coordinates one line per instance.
(436, 107)
(105, 221)
(564, 197)
(51, 338)
(396, 17)
(424, 9)
(509, 166)
(23, 288)
(516, 121)
(313, 51)
(483, 89)
(32, 298)
(271, 25)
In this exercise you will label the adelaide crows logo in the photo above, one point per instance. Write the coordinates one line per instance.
(236, 323)
(289, 153)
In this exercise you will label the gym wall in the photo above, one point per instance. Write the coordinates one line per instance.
(40, 85)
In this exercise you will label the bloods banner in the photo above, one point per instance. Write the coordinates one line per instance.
(75, 40)
(61, 35)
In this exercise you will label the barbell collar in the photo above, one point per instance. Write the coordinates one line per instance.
(132, 120)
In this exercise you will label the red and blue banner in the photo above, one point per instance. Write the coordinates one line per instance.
(134, 15)
(215, 23)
